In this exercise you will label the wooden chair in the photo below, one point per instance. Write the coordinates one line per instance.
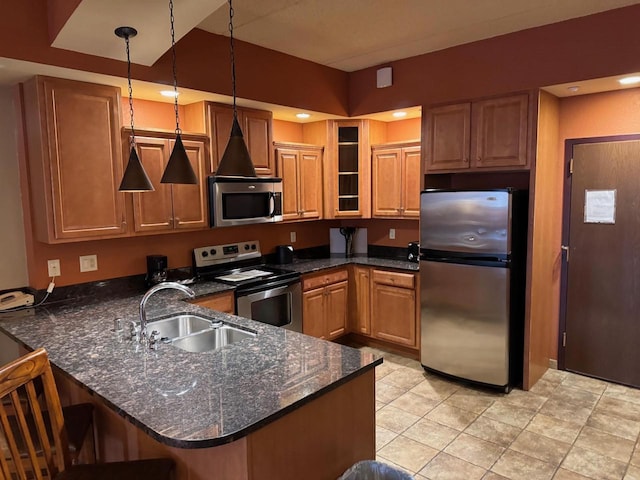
(33, 436)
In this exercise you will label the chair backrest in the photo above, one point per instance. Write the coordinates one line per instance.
(33, 440)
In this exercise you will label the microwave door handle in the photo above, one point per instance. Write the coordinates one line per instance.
(272, 198)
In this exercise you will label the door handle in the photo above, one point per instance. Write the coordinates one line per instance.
(565, 248)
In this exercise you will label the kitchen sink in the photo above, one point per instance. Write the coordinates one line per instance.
(179, 325)
(218, 336)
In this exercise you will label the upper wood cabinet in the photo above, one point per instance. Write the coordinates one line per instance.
(396, 180)
(347, 181)
(485, 134)
(74, 159)
(169, 207)
(257, 130)
(300, 167)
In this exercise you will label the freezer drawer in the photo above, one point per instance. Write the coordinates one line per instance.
(465, 321)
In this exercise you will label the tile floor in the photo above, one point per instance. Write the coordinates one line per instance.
(568, 427)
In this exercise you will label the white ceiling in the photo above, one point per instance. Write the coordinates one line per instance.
(354, 34)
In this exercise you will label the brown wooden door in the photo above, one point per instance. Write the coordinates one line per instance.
(411, 182)
(448, 137)
(258, 135)
(313, 313)
(499, 132)
(310, 168)
(287, 168)
(603, 269)
(190, 201)
(219, 122)
(360, 309)
(387, 182)
(81, 160)
(393, 307)
(336, 302)
(152, 211)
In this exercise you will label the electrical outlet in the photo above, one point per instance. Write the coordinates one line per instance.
(88, 263)
(54, 268)
(392, 233)
(293, 237)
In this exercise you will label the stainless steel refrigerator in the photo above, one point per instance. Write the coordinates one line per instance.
(472, 284)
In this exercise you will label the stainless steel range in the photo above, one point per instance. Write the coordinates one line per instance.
(263, 293)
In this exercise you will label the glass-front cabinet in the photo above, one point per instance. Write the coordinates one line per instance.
(348, 167)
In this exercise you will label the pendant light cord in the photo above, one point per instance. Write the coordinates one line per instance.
(132, 138)
(175, 73)
(233, 60)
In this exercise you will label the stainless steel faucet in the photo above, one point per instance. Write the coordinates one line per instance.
(143, 338)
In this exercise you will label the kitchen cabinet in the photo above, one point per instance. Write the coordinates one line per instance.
(222, 302)
(170, 207)
(74, 159)
(347, 179)
(257, 130)
(394, 307)
(325, 304)
(491, 134)
(396, 180)
(360, 307)
(383, 306)
(300, 167)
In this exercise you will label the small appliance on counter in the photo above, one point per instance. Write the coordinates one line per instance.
(413, 252)
(284, 254)
(156, 269)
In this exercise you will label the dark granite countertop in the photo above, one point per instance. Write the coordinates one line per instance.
(183, 399)
(314, 265)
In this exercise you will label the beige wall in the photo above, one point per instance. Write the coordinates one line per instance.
(13, 261)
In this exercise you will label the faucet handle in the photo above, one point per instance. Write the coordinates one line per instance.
(134, 331)
(154, 340)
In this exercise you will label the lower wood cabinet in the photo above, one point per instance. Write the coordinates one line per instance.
(393, 307)
(325, 304)
(383, 305)
(222, 302)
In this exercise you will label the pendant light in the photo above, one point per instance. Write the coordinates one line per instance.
(135, 179)
(179, 169)
(235, 160)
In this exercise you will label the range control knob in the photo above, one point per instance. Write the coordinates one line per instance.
(253, 246)
(246, 246)
(205, 254)
(212, 251)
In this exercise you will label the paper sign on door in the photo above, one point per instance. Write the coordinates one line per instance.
(600, 206)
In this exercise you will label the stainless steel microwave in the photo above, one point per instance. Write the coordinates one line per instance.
(244, 200)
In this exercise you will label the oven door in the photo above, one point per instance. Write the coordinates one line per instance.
(244, 201)
(280, 306)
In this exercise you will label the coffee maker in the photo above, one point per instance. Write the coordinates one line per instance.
(156, 269)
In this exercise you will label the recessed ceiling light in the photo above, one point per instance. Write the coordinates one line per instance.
(399, 114)
(302, 115)
(169, 93)
(573, 89)
(629, 80)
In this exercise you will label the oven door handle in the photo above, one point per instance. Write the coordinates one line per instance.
(241, 292)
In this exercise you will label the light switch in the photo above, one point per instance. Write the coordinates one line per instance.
(392, 233)
(88, 263)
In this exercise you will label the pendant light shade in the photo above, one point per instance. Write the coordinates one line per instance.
(179, 169)
(135, 179)
(236, 160)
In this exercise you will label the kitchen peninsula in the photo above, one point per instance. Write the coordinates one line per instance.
(278, 405)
